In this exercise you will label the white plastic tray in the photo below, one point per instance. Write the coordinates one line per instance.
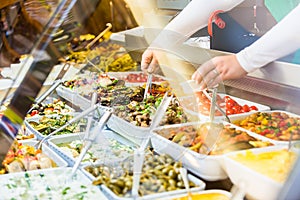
(73, 97)
(60, 162)
(256, 185)
(207, 167)
(48, 184)
(276, 142)
(210, 191)
(240, 101)
(123, 76)
(135, 134)
(38, 135)
(200, 185)
(101, 141)
(49, 100)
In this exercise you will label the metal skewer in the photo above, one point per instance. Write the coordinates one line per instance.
(148, 86)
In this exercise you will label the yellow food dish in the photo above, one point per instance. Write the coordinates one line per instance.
(208, 196)
(275, 165)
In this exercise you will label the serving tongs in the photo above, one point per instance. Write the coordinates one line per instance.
(148, 86)
(41, 98)
(90, 116)
(216, 105)
(213, 128)
(139, 154)
(97, 130)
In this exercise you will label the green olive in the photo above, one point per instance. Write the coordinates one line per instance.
(172, 183)
(172, 174)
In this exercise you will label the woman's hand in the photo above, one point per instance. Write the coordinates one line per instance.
(218, 69)
(149, 63)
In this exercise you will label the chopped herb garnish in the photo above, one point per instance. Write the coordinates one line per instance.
(64, 192)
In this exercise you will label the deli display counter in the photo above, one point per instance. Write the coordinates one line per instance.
(84, 126)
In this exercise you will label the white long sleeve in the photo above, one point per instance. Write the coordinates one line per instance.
(281, 40)
(192, 18)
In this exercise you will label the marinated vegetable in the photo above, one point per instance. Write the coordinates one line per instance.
(89, 82)
(48, 124)
(55, 107)
(230, 139)
(160, 173)
(118, 95)
(141, 113)
(274, 125)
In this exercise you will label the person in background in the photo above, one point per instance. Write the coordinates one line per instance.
(278, 42)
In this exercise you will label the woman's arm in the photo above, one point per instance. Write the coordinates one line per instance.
(192, 18)
(281, 40)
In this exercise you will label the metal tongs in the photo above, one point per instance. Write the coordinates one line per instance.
(216, 105)
(213, 129)
(139, 154)
(46, 93)
(148, 86)
(75, 119)
(93, 136)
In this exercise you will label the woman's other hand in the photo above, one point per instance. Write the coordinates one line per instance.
(218, 69)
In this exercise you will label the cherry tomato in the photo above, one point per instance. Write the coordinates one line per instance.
(230, 103)
(34, 112)
(229, 112)
(253, 108)
(237, 109)
(246, 108)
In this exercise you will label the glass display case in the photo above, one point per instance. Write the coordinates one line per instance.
(71, 84)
